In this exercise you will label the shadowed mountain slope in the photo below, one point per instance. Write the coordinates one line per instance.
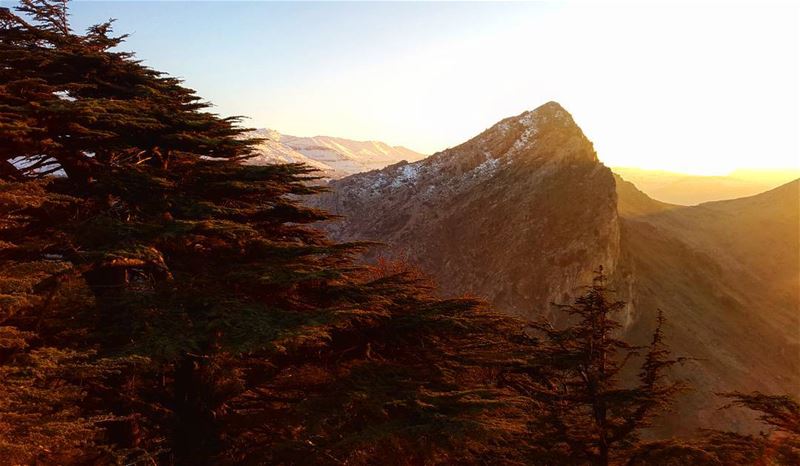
(728, 275)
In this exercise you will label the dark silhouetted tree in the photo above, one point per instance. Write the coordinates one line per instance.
(585, 415)
(178, 304)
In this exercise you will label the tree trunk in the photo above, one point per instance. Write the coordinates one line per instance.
(603, 456)
(195, 439)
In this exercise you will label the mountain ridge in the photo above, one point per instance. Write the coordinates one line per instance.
(451, 200)
(685, 189)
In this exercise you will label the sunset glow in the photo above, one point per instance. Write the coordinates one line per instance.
(653, 88)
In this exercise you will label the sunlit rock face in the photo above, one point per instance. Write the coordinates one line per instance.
(520, 215)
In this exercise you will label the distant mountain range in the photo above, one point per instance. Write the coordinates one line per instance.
(333, 157)
(682, 189)
(524, 212)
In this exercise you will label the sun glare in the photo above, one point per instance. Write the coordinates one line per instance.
(651, 87)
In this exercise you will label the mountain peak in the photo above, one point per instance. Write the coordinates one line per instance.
(553, 105)
(525, 200)
(551, 111)
(539, 141)
(546, 133)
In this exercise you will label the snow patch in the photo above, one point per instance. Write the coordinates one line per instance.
(408, 173)
(64, 95)
(486, 168)
(529, 123)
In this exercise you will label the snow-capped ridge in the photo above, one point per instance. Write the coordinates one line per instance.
(334, 157)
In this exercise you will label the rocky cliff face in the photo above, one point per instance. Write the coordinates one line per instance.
(521, 214)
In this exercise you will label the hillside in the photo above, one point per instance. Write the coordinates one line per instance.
(727, 274)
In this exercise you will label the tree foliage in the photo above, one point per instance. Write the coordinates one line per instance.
(585, 414)
(778, 445)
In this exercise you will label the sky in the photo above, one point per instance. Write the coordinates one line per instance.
(694, 88)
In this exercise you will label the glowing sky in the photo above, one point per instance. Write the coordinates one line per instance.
(698, 89)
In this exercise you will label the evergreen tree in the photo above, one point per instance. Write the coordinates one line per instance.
(780, 412)
(209, 321)
(584, 413)
(70, 103)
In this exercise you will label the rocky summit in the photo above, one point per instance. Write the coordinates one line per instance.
(521, 214)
